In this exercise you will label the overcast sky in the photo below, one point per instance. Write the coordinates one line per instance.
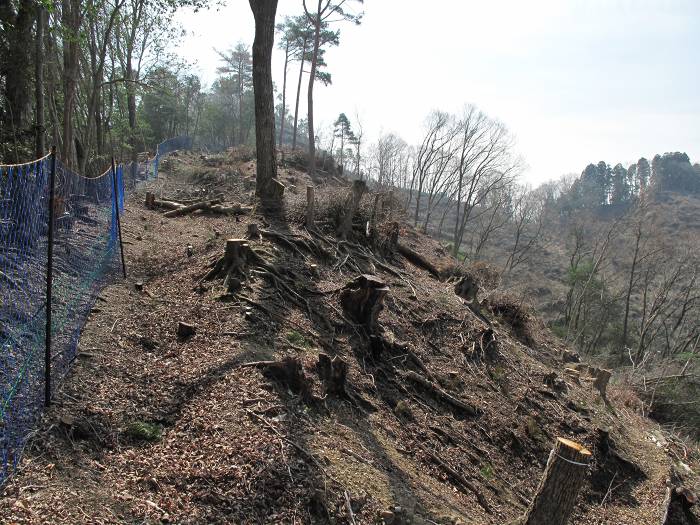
(576, 81)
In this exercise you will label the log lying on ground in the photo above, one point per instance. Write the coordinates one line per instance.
(440, 394)
(192, 207)
(234, 209)
(562, 479)
(168, 205)
(417, 260)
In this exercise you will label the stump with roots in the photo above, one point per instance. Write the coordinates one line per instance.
(231, 267)
(363, 299)
(563, 477)
(333, 373)
(290, 372)
(351, 204)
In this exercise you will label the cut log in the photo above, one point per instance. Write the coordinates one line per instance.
(192, 207)
(440, 394)
(418, 260)
(234, 209)
(352, 202)
(363, 300)
(562, 480)
(168, 205)
(310, 206)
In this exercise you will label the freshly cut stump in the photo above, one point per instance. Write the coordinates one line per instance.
(233, 264)
(563, 477)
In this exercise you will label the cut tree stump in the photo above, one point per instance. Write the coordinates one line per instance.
(363, 300)
(333, 373)
(677, 506)
(562, 479)
(233, 264)
(351, 204)
(600, 383)
(290, 372)
(185, 330)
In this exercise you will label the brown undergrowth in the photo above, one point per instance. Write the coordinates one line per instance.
(445, 416)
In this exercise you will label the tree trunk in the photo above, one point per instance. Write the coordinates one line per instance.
(560, 485)
(264, 13)
(71, 24)
(40, 146)
(312, 76)
(284, 93)
(296, 107)
(15, 66)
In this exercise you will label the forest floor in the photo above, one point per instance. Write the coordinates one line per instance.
(152, 428)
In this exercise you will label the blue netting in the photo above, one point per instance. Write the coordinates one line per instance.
(23, 248)
(86, 253)
(85, 257)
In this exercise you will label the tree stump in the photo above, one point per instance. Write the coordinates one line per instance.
(600, 383)
(185, 330)
(351, 204)
(333, 373)
(290, 372)
(253, 231)
(236, 256)
(563, 477)
(392, 240)
(363, 299)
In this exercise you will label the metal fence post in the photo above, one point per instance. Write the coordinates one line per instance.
(116, 210)
(49, 278)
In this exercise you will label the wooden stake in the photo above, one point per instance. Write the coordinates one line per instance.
(560, 484)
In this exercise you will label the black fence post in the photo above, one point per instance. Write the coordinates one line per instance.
(49, 278)
(116, 210)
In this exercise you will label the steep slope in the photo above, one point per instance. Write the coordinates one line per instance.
(153, 428)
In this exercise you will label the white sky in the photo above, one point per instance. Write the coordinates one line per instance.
(577, 81)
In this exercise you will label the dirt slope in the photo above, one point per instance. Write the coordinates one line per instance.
(150, 428)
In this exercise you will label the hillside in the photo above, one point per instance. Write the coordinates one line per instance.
(442, 416)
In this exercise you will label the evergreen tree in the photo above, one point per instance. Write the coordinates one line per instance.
(619, 191)
(643, 174)
(343, 131)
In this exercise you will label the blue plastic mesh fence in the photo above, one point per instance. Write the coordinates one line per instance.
(85, 257)
(24, 197)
